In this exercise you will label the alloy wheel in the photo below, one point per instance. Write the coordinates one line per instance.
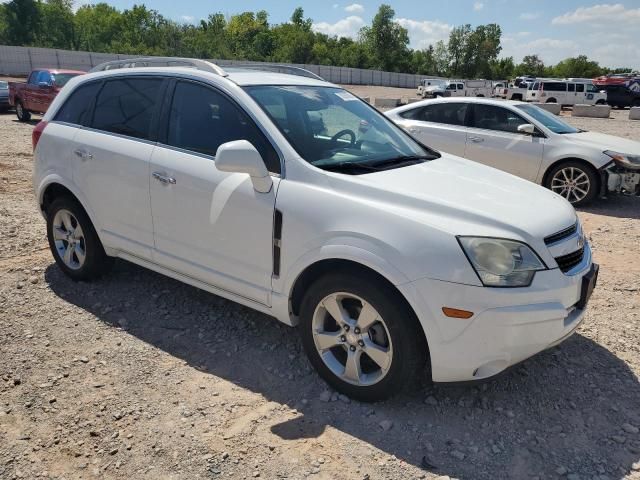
(352, 339)
(69, 239)
(571, 183)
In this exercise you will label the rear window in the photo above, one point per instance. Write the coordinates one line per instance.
(126, 106)
(77, 106)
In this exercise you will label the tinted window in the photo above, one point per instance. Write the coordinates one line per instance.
(461, 86)
(447, 113)
(580, 87)
(202, 119)
(554, 87)
(592, 88)
(571, 87)
(33, 77)
(78, 104)
(126, 106)
(491, 117)
(61, 79)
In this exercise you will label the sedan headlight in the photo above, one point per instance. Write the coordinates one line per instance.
(501, 263)
(624, 160)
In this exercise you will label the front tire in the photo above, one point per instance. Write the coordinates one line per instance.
(361, 336)
(22, 114)
(575, 181)
(552, 100)
(74, 242)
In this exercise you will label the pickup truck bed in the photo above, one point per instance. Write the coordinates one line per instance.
(36, 94)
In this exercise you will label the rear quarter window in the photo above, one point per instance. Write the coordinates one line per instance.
(76, 108)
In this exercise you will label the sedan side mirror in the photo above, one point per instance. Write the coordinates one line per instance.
(240, 156)
(527, 129)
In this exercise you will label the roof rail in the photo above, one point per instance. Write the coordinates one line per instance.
(289, 69)
(160, 62)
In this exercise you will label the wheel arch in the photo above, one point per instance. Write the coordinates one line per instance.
(332, 265)
(586, 163)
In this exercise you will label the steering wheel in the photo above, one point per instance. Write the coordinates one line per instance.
(342, 133)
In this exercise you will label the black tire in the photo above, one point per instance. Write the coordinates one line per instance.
(96, 262)
(516, 97)
(552, 100)
(590, 172)
(409, 350)
(601, 102)
(22, 114)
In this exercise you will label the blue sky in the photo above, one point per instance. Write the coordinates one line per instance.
(607, 32)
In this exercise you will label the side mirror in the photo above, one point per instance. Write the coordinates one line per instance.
(240, 156)
(527, 129)
(44, 85)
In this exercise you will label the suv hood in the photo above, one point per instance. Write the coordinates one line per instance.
(603, 142)
(462, 197)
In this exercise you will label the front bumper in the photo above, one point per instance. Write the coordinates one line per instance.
(508, 325)
(621, 180)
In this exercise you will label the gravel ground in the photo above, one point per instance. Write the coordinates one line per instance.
(138, 376)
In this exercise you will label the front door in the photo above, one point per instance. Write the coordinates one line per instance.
(211, 225)
(493, 139)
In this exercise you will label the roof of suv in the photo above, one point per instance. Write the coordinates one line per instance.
(242, 77)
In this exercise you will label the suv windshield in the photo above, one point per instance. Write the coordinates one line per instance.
(334, 130)
(548, 120)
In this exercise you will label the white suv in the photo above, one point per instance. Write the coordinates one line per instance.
(294, 197)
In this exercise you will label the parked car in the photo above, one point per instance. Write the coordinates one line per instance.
(387, 254)
(4, 96)
(621, 96)
(511, 92)
(429, 82)
(565, 92)
(459, 88)
(36, 94)
(528, 142)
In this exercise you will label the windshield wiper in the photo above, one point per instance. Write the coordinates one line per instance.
(348, 166)
(402, 160)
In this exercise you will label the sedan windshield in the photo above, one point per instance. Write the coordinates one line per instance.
(335, 130)
(548, 119)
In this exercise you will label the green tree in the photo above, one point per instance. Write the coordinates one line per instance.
(502, 68)
(58, 24)
(386, 41)
(530, 65)
(96, 27)
(579, 66)
(22, 22)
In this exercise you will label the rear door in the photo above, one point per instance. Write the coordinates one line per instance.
(111, 161)
(438, 125)
(493, 139)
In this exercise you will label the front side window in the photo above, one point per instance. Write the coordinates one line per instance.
(201, 119)
(547, 119)
(77, 106)
(591, 88)
(331, 128)
(44, 77)
(490, 117)
(461, 86)
(126, 106)
(451, 86)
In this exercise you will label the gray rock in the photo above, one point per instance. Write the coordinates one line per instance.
(458, 454)
(627, 427)
(386, 425)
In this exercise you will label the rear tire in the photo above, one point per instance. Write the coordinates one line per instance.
(74, 242)
(552, 100)
(576, 181)
(376, 331)
(601, 102)
(22, 114)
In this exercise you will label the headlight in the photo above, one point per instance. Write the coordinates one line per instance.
(624, 160)
(501, 263)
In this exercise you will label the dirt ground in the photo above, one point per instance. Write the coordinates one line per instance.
(138, 376)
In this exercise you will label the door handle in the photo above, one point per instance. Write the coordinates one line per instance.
(164, 179)
(83, 154)
(476, 139)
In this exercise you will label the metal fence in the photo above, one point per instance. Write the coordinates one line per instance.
(19, 61)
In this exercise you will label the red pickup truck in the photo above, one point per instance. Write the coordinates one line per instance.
(36, 94)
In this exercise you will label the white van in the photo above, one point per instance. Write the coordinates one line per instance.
(428, 82)
(565, 92)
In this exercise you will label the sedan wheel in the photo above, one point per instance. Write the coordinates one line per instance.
(352, 339)
(69, 239)
(575, 180)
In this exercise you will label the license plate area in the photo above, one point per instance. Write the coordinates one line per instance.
(589, 282)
